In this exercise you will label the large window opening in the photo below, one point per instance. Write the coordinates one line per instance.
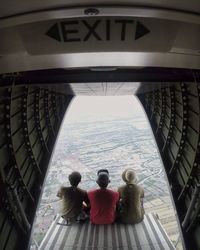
(111, 133)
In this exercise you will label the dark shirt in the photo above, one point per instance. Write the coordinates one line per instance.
(72, 200)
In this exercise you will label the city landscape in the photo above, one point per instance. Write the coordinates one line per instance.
(114, 144)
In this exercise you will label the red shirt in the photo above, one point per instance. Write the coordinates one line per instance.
(103, 205)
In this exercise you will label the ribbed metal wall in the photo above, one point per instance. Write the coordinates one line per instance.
(174, 115)
(30, 118)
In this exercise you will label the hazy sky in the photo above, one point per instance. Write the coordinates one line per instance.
(103, 107)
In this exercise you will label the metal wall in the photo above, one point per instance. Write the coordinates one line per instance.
(174, 115)
(30, 118)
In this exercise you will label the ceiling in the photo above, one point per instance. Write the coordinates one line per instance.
(101, 82)
(40, 35)
(17, 7)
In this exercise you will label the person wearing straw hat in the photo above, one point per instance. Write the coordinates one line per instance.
(130, 208)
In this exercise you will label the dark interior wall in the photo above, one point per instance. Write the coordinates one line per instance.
(30, 118)
(174, 115)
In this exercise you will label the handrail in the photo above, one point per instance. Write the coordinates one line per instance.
(21, 210)
(191, 206)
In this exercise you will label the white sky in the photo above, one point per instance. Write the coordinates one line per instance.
(103, 107)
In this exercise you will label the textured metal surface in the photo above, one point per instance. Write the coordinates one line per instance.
(174, 115)
(103, 237)
(29, 121)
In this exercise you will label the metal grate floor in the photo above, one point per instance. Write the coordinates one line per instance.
(146, 235)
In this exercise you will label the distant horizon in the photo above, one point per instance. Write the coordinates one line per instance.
(99, 108)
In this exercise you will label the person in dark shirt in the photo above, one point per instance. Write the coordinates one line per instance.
(131, 199)
(74, 200)
(103, 201)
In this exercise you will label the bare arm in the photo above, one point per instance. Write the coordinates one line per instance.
(142, 202)
(142, 193)
(59, 193)
(86, 200)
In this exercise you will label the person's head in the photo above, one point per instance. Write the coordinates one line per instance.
(74, 178)
(102, 170)
(103, 178)
(129, 176)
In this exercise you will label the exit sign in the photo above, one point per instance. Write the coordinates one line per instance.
(99, 34)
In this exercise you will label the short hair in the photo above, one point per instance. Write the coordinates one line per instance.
(75, 178)
(102, 170)
(103, 179)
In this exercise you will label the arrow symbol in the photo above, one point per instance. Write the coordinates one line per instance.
(53, 32)
(141, 31)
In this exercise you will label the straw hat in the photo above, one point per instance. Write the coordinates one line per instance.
(129, 176)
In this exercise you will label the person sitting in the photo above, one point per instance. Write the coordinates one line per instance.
(130, 208)
(73, 200)
(103, 201)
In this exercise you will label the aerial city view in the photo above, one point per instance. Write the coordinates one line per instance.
(114, 143)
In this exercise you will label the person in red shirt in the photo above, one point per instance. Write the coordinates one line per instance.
(103, 201)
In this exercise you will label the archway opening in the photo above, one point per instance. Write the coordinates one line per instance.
(112, 133)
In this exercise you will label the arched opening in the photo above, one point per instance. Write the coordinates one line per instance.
(113, 133)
